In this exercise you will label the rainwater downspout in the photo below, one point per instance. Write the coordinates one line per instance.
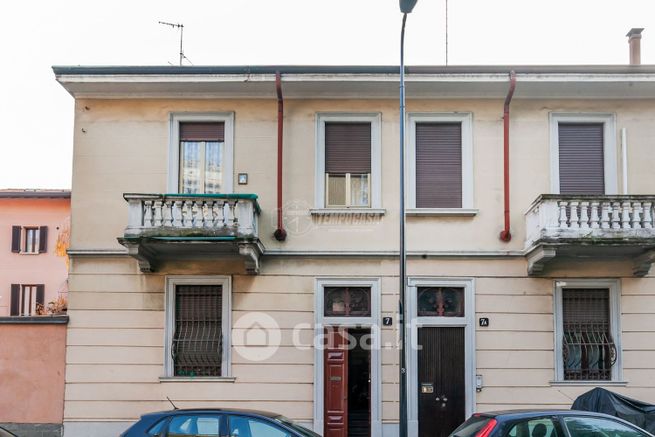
(505, 234)
(280, 234)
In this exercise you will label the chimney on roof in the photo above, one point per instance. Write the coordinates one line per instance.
(634, 39)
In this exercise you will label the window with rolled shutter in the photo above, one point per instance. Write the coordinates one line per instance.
(438, 165)
(202, 150)
(581, 158)
(348, 164)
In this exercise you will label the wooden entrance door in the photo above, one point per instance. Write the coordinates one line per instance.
(336, 383)
(441, 381)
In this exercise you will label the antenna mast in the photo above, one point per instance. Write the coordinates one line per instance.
(181, 27)
(446, 32)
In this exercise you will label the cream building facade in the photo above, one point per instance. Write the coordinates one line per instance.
(566, 305)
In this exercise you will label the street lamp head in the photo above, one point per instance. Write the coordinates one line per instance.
(406, 6)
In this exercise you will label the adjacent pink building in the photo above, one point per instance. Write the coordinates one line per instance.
(34, 229)
(34, 234)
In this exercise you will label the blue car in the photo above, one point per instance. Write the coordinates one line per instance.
(547, 423)
(216, 423)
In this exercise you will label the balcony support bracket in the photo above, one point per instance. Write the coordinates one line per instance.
(252, 253)
(642, 263)
(144, 257)
(538, 258)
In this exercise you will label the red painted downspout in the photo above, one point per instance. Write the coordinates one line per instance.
(280, 234)
(505, 234)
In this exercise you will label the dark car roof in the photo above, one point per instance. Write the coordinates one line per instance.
(524, 414)
(213, 410)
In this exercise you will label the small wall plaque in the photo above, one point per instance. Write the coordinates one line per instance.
(427, 388)
(243, 178)
(484, 321)
(387, 321)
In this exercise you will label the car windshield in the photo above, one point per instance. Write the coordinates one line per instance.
(298, 428)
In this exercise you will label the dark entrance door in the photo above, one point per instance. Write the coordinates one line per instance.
(441, 384)
(359, 384)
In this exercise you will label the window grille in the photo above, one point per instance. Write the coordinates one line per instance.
(347, 301)
(197, 347)
(440, 302)
(588, 349)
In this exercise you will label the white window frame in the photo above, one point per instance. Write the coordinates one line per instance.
(411, 332)
(375, 182)
(609, 146)
(226, 319)
(23, 240)
(21, 299)
(174, 147)
(466, 120)
(372, 322)
(614, 288)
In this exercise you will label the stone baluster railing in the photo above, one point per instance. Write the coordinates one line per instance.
(586, 214)
(232, 213)
(597, 214)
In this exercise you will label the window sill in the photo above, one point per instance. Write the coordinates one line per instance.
(442, 212)
(347, 211)
(197, 379)
(29, 253)
(587, 383)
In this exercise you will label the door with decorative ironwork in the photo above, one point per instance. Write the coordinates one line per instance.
(441, 390)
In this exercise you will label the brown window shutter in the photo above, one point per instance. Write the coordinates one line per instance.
(581, 158)
(202, 132)
(40, 295)
(438, 165)
(347, 148)
(43, 239)
(15, 300)
(15, 239)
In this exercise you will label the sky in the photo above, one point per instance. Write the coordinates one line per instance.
(36, 113)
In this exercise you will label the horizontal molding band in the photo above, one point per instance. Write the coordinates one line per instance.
(338, 253)
(34, 320)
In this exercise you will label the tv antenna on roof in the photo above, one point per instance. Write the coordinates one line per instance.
(181, 27)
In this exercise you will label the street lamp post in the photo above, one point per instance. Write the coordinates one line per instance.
(406, 7)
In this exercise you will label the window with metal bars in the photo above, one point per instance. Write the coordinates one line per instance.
(197, 347)
(347, 301)
(588, 350)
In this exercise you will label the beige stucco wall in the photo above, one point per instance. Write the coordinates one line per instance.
(115, 348)
(122, 146)
(32, 367)
(45, 268)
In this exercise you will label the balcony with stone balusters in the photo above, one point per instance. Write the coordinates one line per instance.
(165, 227)
(591, 227)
